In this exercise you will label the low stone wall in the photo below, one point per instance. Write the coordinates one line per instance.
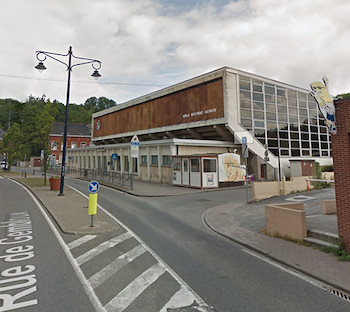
(263, 190)
(329, 206)
(286, 220)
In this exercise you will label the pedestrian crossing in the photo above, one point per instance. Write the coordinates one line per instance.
(127, 276)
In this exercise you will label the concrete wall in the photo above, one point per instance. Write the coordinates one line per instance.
(329, 206)
(286, 220)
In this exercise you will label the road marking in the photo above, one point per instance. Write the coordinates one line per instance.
(112, 268)
(80, 241)
(135, 288)
(102, 247)
(180, 299)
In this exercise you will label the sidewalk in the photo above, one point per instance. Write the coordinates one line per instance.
(240, 223)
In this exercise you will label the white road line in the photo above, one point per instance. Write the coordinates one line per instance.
(183, 284)
(112, 268)
(134, 289)
(102, 247)
(180, 299)
(80, 241)
(87, 287)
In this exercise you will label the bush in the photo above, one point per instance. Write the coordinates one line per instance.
(327, 168)
(318, 176)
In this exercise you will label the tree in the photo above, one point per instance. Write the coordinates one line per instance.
(43, 130)
(12, 143)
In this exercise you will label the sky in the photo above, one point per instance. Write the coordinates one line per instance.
(146, 45)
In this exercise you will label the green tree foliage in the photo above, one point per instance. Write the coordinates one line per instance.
(12, 144)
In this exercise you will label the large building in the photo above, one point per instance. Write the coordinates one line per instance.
(209, 115)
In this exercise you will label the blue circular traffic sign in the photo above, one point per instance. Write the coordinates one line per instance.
(94, 187)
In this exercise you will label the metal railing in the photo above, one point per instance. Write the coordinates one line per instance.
(57, 170)
(122, 179)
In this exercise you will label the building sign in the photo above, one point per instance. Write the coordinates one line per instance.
(230, 168)
(319, 90)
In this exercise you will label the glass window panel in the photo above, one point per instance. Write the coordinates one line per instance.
(284, 143)
(244, 78)
(274, 151)
(324, 145)
(303, 112)
(269, 90)
(269, 98)
(305, 152)
(292, 103)
(272, 143)
(293, 127)
(258, 115)
(314, 137)
(270, 116)
(291, 94)
(245, 104)
(271, 108)
(259, 124)
(283, 126)
(281, 101)
(143, 159)
(321, 122)
(315, 152)
(323, 129)
(314, 145)
(244, 95)
(244, 85)
(305, 136)
(166, 160)
(272, 134)
(262, 140)
(324, 153)
(258, 105)
(195, 165)
(257, 88)
(293, 110)
(295, 152)
(256, 81)
(313, 106)
(246, 113)
(302, 104)
(294, 135)
(282, 117)
(259, 133)
(310, 98)
(283, 134)
(282, 109)
(302, 96)
(154, 159)
(281, 92)
(293, 119)
(324, 138)
(304, 121)
(271, 125)
(284, 152)
(209, 165)
(246, 123)
(295, 143)
(305, 144)
(258, 96)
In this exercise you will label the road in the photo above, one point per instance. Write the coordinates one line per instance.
(35, 272)
(177, 253)
(220, 271)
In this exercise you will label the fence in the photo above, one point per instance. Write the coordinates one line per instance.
(57, 170)
(124, 179)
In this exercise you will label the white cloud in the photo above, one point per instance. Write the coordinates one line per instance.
(164, 42)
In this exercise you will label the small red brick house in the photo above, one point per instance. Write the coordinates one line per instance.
(78, 135)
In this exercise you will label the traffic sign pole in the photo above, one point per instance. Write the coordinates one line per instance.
(93, 189)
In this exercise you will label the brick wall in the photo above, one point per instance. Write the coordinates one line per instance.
(341, 161)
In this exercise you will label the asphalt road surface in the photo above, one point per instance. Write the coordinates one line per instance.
(221, 272)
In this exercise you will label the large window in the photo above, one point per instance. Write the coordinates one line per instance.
(209, 165)
(166, 160)
(154, 160)
(143, 159)
(266, 107)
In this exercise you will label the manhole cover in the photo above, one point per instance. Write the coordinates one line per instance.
(300, 198)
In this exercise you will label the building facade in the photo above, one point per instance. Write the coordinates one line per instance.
(214, 112)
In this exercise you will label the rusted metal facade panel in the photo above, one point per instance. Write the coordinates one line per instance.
(198, 103)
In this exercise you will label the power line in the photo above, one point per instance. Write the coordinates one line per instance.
(100, 82)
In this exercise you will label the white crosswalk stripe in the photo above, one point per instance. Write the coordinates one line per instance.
(101, 276)
(80, 241)
(102, 247)
(135, 288)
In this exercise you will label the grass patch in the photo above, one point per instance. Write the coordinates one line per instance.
(338, 249)
(9, 173)
(33, 182)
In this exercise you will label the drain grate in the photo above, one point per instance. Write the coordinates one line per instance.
(340, 294)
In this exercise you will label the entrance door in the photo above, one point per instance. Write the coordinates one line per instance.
(185, 172)
(195, 172)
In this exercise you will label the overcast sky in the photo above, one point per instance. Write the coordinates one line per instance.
(145, 45)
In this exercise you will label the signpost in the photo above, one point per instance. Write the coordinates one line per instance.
(93, 189)
(245, 155)
(134, 150)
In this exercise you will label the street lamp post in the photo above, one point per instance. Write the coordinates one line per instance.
(96, 65)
